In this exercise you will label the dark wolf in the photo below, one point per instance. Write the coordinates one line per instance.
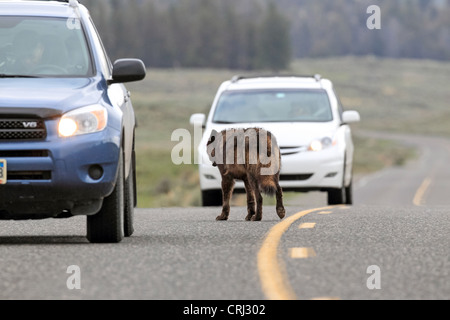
(253, 156)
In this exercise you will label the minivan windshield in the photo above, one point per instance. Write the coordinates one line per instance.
(43, 47)
(290, 105)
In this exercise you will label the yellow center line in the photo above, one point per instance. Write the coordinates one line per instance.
(271, 271)
(419, 196)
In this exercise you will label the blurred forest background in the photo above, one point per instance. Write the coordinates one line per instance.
(255, 34)
(395, 77)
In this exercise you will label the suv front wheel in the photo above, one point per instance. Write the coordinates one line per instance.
(130, 197)
(107, 226)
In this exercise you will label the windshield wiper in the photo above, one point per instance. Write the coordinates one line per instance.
(3, 75)
(224, 122)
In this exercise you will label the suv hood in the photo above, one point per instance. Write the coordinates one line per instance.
(47, 97)
(287, 134)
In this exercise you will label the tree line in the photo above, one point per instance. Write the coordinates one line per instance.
(194, 33)
(418, 29)
(268, 34)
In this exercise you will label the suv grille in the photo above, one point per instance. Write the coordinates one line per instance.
(22, 129)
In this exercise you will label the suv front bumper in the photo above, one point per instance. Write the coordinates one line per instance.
(69, 176)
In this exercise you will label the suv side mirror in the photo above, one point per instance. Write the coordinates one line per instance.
(127, 70)
(351, 117)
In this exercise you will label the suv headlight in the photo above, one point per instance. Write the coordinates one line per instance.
(321, 144)
(83, 121)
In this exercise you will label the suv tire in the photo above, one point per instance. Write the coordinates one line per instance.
(130, 196)
(107, 226)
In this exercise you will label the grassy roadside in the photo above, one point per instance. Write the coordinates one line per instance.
(391, 95)
(375, 154)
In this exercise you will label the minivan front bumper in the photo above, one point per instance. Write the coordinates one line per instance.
(305, 171)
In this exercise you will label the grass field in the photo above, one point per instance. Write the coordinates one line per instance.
(391, 95)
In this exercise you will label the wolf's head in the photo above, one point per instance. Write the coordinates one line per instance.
(211, 146)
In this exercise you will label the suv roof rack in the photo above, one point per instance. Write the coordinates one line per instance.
(72, 3)
(236, 78)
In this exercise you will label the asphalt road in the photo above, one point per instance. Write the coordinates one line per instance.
(392, 244)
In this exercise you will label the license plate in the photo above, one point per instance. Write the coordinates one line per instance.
(3, 170)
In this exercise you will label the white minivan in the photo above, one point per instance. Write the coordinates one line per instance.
(308, 121)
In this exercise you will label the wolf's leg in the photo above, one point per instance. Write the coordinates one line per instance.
(259, 199)
(250, 200)
(227, 192)
(280, 207)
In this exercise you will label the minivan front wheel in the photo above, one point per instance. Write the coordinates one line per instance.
(336, 196)
(107, 226)
(212, 198)
(349, 194)
(339, 196)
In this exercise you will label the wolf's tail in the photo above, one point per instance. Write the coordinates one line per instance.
(268, 187)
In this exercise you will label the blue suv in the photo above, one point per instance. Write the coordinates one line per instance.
(67, 125)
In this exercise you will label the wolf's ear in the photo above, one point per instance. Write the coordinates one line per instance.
(212, 137)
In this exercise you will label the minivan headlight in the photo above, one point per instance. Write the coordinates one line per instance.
(83, 121)
(321, 144)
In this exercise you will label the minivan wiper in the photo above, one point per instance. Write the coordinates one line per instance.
(224, 122)
(3, 75)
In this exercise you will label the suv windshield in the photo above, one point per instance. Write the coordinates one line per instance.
(248, 106)
(43, 47)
